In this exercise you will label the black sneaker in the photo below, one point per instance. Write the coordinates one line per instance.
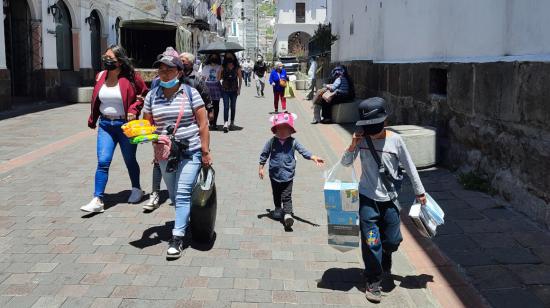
(373, 292)
(288, 221)
(175, 247)
(278, 213)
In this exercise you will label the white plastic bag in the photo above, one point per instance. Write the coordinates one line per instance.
(341, 192)
(428, 217)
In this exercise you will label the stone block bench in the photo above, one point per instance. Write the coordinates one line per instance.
(78, 94)
(421, 143)
(346, 112)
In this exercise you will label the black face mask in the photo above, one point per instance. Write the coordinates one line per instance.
(188, 68)
(109, 64)
(373, 129)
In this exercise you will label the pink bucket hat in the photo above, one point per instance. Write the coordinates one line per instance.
(283, 119)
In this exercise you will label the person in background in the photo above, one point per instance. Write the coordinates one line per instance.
(260, 68)
(277, 78)
(192, 78)
(117, 98)
(247, 71)
(210, 72)
(232, 79)
(312, 75)
(341, 88)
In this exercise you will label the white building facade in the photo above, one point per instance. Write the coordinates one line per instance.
(58, 43)
(435, 30)
(295, 23)
(478, 71)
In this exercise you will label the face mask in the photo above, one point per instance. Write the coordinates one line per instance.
(169, 84)
(188, 67)
(109, 64)
(373, 129)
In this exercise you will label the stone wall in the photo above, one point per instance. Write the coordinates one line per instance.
(492, 118)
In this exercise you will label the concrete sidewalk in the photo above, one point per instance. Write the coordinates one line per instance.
(52, 255)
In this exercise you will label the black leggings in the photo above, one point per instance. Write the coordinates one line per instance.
(282, 193)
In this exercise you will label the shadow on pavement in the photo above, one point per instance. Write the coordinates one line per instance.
(111, 200)
(269, 215)
(345, 279)
(29, 107)
(342, 279)
(159, 234)
(236, 128)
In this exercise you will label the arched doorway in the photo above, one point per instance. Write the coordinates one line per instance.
(95, 40)
(298, 44)
(17, 32)
(64, 37)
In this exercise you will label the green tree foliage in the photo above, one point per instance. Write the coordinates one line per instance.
(323, 37)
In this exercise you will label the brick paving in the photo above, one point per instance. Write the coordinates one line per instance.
(53, 255)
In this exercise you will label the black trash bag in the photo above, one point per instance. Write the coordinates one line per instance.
(204, 206)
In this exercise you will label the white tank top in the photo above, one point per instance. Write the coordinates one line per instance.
(111, 101)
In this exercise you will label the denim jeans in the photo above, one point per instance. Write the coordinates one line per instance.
(229, 101)
(180, 186)
(109, 134)
(380, 235)
(260, 85)
(246, 78)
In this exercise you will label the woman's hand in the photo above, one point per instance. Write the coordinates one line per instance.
(206, 159)
(131, 117)
(318, 160)
(261, 172)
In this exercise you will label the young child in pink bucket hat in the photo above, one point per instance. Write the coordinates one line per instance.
(282, 164)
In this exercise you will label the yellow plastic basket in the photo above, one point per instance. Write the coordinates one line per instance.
(138, 131)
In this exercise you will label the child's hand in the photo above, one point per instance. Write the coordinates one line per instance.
(421, 199)
(318, 160)
(261, 173)
(357, 136)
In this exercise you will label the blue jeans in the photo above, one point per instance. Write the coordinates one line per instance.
(380, 235)
(109, 134)
(229, 101)
(180, 186)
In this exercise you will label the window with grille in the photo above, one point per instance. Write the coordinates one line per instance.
(300, 12)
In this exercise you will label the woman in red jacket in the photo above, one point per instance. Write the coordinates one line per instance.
(117, 98)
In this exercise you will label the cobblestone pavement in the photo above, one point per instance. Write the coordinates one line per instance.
(52, 255)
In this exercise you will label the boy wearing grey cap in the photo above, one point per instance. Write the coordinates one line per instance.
(380, 151)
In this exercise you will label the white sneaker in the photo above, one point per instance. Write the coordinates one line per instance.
(95, 206)
(136, 195)
(153, 202)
